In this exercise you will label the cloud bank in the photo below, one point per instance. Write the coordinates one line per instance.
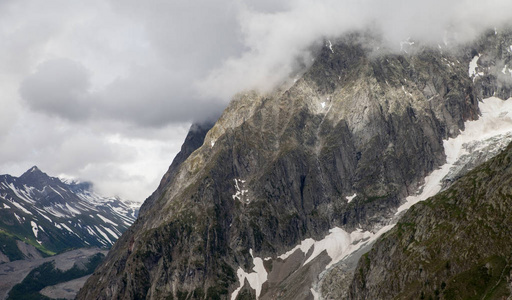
(105, 90)
(162, 62)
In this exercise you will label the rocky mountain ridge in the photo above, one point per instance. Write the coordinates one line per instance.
(286, 185)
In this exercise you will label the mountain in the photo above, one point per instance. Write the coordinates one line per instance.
(288, 189)
(19, 274)
(455, 245)
(43, 215)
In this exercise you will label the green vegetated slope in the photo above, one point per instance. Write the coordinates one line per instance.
(47, 275)
(456, 245)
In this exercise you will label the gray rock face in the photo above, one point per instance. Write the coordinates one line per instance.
(276, 169)
(493, 74)
(194, 140)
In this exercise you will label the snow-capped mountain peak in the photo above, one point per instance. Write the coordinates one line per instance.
(54, 215)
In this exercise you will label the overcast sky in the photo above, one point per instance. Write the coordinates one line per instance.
(105, 91)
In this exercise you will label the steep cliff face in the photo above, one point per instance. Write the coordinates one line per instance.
(456, 245)
(193, 140)
(491, 63)
(342, 147)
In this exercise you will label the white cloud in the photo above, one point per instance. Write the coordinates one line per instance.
(100, 89)
(59, 87)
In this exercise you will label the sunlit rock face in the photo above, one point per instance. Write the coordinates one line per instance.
(287, 186)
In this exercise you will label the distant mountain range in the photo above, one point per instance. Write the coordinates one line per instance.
(42, 215)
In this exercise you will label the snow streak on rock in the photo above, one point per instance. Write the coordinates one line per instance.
(350, 198)
(472, 68)
(255, 279)
(493, 129)
(494, 124)
(338, 245)
(240, 193)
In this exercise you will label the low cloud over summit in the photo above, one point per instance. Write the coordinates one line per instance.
(133, 75)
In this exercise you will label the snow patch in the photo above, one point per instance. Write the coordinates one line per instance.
(240, 192)
(35, 230)
(339, 243)
(103, 234)
(304, 246)
(21, 207)
(473, 64)
(350, 198)
(90, 231)
(67, 228)
(6, 206)
(20, 220)
(106, 220)
(255, 279)
(323, 104)
(53, 212)
(21, 194)
(72, 210)
(44, 216)
(330, 46)
(316, 295)
(405, 44)
(112, 233)
(495, 121)
(57, 192)
(505, 70)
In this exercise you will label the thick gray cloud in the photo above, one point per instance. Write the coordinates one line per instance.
(155, 96)
(276, 41)
(105, 90)
(59, 87)
(160, 62)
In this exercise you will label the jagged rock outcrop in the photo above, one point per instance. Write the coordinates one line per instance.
(455, 245)
(276, 169)
(193, 140)
(491, 69)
